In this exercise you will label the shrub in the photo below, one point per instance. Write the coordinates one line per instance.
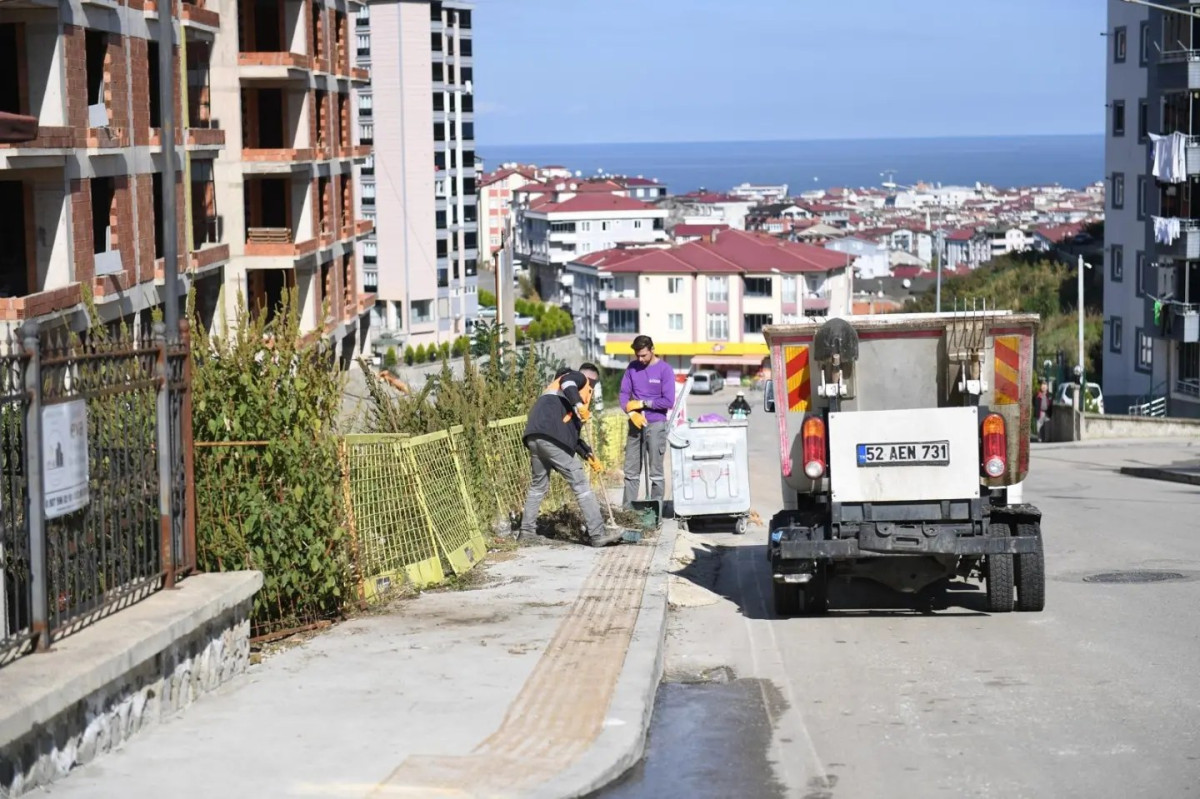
(410, 355)
(487, 298)
(421, 356)
(535, 330)
(267, 493)
(389, 358)
(444, 350)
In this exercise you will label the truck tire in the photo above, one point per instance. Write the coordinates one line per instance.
(741, 526)
(789, 599)
(998, 574)
(1030, 572)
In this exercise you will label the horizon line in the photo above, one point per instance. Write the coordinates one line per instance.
(792, 141)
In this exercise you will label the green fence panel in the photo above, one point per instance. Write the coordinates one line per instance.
(435, 468)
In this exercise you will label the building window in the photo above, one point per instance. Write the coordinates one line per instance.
(758, 286)
(1118, 190)
(562, 227)
(674, 285)
(605, 225)
(422, 311)
(1144, 44)
(622, 321)
(637, 224)
(1145, 351)
(789, 288)
(1188, 363)
(366, 134)
(718, 327)
(1118, 117)
(1119, 43)
(1139, 276)
(1143, 121)
(718, 289)
(1116, 261)
(755, 322)
(1141, 197)
(364, 44)
(1114, 334)
(675, 321)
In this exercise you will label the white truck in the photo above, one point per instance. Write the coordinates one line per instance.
(904, 439)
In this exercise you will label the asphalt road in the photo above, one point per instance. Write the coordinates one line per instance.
(1097, 696)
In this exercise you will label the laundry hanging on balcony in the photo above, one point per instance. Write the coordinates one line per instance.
(1166, 229)
(1170, 157)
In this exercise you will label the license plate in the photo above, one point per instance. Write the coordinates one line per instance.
(910, 453)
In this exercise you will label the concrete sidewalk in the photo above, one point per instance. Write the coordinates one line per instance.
(539, 683)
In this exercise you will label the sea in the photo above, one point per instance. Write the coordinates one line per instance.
(1073, 161)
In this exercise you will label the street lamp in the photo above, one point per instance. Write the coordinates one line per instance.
(1079, 370)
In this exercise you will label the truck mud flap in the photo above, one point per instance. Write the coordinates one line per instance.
(845, 548)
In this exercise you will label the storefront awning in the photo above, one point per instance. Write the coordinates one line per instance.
(728, 360)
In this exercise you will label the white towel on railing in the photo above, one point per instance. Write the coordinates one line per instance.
(1170, 157)
(1166, 229)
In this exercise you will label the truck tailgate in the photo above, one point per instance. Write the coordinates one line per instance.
(908, 455)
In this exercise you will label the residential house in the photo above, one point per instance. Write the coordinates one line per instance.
(495, 199)
(704, 303)
(869, 258)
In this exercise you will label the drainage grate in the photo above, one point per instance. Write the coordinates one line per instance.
(1133, 577)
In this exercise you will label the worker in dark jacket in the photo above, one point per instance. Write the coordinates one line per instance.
(553, 440)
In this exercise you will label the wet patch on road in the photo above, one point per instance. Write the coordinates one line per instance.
(1129, 576)
(709, 740)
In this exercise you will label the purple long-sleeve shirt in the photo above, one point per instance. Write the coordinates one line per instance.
(653, 385)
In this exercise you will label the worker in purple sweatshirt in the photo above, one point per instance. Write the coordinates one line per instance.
(647, 395)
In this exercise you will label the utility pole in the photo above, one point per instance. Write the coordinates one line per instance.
(505, 289)
(166, 102)
(1082, 375)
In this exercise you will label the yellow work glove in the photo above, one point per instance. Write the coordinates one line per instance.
(638, 419)
(596, 464)
(583, 413)
(634, 405)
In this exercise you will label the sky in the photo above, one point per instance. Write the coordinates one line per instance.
(604, 71)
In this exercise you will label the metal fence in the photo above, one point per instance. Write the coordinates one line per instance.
(97, 499)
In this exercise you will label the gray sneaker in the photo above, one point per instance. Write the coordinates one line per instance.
(611, 535)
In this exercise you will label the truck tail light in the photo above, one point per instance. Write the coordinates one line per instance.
(995, 445)
(813, 433)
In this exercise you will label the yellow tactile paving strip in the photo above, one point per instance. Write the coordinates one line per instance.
(562, 706)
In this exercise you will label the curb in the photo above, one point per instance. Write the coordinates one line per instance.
(1166, 475)
(622, 741)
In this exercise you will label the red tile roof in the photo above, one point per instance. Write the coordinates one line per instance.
(501, 174)
(734, 252)
(710, 198)
(684, 229)
(1056, 233)
(592, 201)
(909, 270)
(638, 181)
(960, 235)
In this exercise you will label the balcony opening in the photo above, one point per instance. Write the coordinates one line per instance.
(207, 299)
(153, 73)
(328, 291)
(157, 190)
(439, 73)
(471, 267)
(10, 58)
(443, 278)
(322, 107)
(464, 47)
(343, 119)
(340, 48)
(95, 45)
(1175, 200)
(349, 292)
(199, 57)
(265, 129)
(267, 206)
(265, 289)
(318, 32)
(206, 225)
(267, 19)
(15, 278)
(758, 286)
(435, 41)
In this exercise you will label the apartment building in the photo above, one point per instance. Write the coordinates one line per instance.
(265, 193)
(558, 221)
(284, 83)
(704, 303)
(421, 184)
(495, 201)
(83, 200)
(1152, 215)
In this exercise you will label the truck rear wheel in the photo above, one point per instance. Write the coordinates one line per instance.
(789, 599)
(1030, 574)
(816, 593)
(998, 574)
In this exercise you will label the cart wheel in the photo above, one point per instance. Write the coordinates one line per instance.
(743, 524)
(682, 524)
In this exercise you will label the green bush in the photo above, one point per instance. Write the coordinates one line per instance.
(268, 495)
(433, 353)
(410, 355)
(487, 298)
(389, 358)
(535, 330)
(421, 356)
(445, 350)
(458, 347)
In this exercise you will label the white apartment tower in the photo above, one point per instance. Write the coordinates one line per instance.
(420, 185)
(1152, 221)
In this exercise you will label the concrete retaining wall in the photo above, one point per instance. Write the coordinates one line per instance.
(95, 689)
(1097, 425)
